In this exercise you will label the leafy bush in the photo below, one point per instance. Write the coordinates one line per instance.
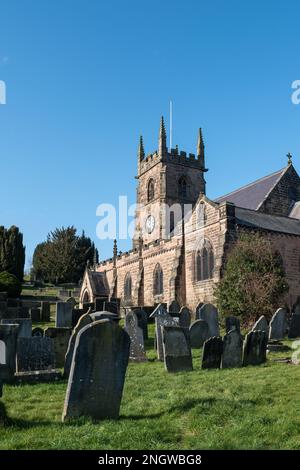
(10, 284)
(253, 282)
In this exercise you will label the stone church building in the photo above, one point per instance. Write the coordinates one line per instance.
(181, 236)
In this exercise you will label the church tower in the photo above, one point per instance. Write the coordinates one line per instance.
(166, 177)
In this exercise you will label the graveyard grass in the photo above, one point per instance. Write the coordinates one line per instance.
(247, 408)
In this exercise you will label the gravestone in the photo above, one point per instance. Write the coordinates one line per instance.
(35, 354)
(99, 303)
(63, 317)
(199, 333)
(278, 325)
(25, 326)
(82, 322)
(209, 313)
(61, 337)
(294, 331)
(212, 353)
(261, 325)
(200, 304)
(162, 318)
(173, 307)
(39, 332)
(111, 307)
(137, 350)
(8, 341)
(232, 323)
(142, 321)
(177, 349)
(71, 301)
(232, 350)
(98, 371)
(184, 317)
(45, 311)
(255, 348)
(35, 314)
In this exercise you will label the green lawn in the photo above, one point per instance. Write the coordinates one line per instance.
(247, 408)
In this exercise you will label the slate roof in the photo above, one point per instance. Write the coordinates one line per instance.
(252, 195)
(98, 283)
(273, 223)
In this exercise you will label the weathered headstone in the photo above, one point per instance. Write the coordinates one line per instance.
(61, 337)
(261, 325)
(177, 349)
(162, 318)
(97, 373)
(82, 322)
(35, 314)
(63, 315)
(209, 313)
(212, 353)
(294, 331)
(232, 323)
(45, 311)
(137, 350)
(255, 348)
(278, 325)
(8, 341)
(25, 326)
(184, 317)
(35, 354)
(142, 321)
(199, 333)
(173, 307)
(232, 349)
(200, 304)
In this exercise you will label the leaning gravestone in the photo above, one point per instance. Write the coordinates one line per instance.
(63, 315)
(232, 350)
(261, 325)
(278, 325)
(177, 349)
(162, 318)
(8, 348)
(212, 353)
(184, 317)
(25, 326)
(142, 321)
(97, 373)
(61, 337)
(199, 333)
(35, 354)
(255, 348)
(209, 313)
(232, 323)
(83, 321)
(137, 350)
(294, 331)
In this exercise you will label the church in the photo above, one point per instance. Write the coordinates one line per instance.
(181, 236)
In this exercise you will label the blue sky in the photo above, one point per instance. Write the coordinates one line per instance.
(85, 78)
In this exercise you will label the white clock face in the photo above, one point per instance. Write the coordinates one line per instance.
(150, 223)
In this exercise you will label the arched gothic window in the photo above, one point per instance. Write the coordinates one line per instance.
(182, 187)
(150, 190)
(127, 287)
(158, 282)
(204, 262)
